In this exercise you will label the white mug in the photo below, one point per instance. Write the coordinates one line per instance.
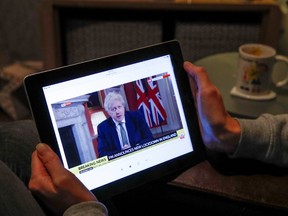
(254, 72)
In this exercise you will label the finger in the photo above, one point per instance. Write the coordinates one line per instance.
(37, 168)
(198, 74)
(192, 82)
(50, 160)
(39, 175)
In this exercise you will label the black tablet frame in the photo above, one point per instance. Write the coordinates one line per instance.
(33, 86)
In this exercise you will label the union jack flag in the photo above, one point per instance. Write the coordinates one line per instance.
(142, 102)
(149, 101)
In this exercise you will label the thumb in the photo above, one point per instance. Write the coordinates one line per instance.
(198, 74)
(50, 160)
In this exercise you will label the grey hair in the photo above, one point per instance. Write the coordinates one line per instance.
(111, 97)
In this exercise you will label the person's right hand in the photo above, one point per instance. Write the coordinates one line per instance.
(219, 130)
(57, 187)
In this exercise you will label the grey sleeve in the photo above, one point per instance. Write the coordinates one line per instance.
(87, 208)
(264, 139)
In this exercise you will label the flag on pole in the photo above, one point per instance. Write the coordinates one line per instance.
(142, 102)
(158, 112)
(149, 101)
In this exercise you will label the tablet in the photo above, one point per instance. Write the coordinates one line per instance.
(77, 109)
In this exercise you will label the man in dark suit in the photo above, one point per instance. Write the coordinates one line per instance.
(123, 129)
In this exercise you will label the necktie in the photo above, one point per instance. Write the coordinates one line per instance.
(123, 134)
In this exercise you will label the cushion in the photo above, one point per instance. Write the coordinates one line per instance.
(244, 180)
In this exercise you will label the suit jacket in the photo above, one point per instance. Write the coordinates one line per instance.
(137, 129)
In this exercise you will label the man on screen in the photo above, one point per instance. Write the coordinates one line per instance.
(123, 129)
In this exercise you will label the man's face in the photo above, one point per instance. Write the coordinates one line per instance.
(117, 110)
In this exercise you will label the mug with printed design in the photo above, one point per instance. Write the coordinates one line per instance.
(254, 72)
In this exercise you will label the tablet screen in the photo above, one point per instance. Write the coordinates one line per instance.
(114, 123)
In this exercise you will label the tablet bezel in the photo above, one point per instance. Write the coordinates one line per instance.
(33, 86)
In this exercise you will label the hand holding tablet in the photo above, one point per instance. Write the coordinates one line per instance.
(70, 108)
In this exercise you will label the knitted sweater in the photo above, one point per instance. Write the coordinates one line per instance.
(264, 139)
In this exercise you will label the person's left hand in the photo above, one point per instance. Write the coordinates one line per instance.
(57, 187)
(220, 131)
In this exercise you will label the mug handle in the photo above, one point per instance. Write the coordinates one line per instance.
(285, 60)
